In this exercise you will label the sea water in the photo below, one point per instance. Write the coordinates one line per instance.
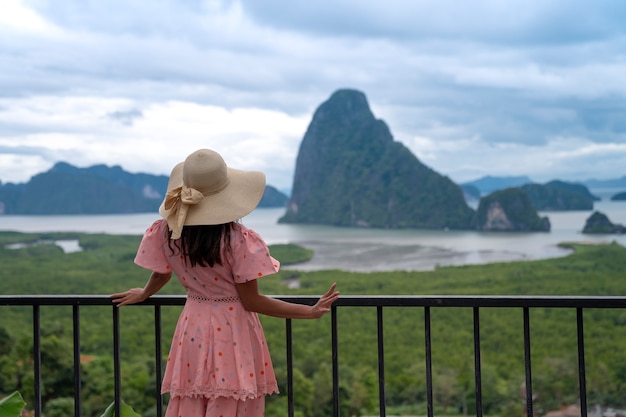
(362, 249)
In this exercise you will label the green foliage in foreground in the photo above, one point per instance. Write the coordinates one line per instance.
(105, 266)
(127, 410)
(12, 405)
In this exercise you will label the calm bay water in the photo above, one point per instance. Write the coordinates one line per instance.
(366, 249)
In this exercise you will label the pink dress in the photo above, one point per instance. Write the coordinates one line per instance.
(218, 349)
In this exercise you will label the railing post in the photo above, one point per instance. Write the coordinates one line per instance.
(381, 363)
(117, 378)
(335, 360)
(77, 366)
(37, 359)
(429, 362)
(581, 362)
(289, 353)
(158, 352)
(477, 364)
(527, 364)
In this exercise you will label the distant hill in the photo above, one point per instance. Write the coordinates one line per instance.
(574, 187)
(351, 172)
(489, 184)
(559, 196)
(273, 198)
(151, 187)
(57, 192)
(66, 189)
(555, 195)
(609, 183)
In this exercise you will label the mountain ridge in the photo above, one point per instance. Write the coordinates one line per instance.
(98, 189)
(489, 183)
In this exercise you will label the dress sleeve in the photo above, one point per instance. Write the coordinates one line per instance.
(250, 257)
(151, 253)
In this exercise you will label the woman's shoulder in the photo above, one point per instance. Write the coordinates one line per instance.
(249, 255)
(157, 228)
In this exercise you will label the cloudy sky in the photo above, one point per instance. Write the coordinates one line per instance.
(473, 88)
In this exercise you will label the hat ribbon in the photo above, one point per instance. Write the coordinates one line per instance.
(177, 202)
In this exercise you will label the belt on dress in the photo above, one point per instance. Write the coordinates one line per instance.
(204, 299)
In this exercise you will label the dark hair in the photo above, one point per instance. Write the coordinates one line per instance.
(202, 245)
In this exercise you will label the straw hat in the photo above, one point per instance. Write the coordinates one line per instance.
(202, 190)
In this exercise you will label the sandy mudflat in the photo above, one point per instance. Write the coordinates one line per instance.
(368, 257)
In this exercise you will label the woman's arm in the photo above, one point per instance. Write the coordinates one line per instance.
(137, 295)
(252, 300)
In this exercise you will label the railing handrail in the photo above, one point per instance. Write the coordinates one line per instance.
(566, 301)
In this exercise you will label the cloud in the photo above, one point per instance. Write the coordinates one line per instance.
(160, 135)
(126, 117)
(493, 21)
(18, 17)
(571, 158)
(458, 82)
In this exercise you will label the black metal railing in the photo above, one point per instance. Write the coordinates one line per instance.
(476, 303)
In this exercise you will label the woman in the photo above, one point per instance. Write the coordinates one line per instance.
(219, 363)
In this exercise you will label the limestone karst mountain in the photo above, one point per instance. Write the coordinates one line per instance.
(350, 172)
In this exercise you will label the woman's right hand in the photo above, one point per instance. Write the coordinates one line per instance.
(131, 296)
(136, 295)
(323, 304)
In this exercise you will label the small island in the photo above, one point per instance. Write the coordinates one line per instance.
(619, 196)
(599, 223)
